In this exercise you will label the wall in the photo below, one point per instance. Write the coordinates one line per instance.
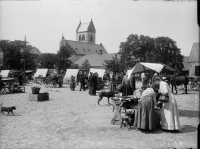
(192, 68)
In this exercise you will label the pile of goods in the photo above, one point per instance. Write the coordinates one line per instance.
(37, 96)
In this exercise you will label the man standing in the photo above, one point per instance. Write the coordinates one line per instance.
(132, 82)
(60, 80)
(20, 79)
(82, 83)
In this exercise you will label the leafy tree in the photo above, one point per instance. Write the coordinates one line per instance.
(113, 65)
(47, 60)
(63, 61)
(146, 49)
(86, 65)
(15, 54)
(74, 66)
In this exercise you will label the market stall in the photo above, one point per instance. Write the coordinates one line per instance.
(4, 73)
(69, 73)
(41, 72)
(100, 72)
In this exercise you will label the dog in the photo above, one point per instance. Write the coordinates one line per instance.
(7, 109)
(106, 94)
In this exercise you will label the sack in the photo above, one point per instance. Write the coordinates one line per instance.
(164, 98)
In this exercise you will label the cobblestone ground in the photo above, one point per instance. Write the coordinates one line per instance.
(72, 119)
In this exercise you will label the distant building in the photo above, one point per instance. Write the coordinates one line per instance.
(186, 66)
(194, 61)
(1, 55)
(85, 42)
(97, 60)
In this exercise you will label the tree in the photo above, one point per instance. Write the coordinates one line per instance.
(113, 65)
(16, 52)
(74, 66)
(86, 65)
(146, 49)
(47, 60)
(63, 61)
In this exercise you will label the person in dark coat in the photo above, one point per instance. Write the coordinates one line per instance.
(94, 84)
(126, 86)
(186, 82)
(20, 78)
(132, 82)
(60, 80)
(72, 85)
(82, 83)
(90, 83)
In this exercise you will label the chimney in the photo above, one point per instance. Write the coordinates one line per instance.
(101, 44)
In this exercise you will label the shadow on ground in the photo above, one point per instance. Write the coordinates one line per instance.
(188, 128)
(188, 113)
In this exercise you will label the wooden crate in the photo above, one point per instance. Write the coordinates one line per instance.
(39, 97)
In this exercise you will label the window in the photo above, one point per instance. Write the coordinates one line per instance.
(79, 37)
(91, 38)
(197, 70)
(83, 37)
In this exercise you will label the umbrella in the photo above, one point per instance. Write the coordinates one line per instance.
(141, 67)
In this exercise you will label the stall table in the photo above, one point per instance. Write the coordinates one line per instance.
(127, 102)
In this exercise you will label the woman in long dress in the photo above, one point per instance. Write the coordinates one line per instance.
(126, 86)
(169, 112)
(145, 117)
(72, 85)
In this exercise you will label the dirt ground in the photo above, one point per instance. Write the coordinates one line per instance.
(72, 119)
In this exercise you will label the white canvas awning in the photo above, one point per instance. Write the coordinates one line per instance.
(4, 73)
(71, 72)
(41, 72)
(100, 72)
(141, 67)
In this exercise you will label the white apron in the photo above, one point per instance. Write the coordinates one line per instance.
(169, 111)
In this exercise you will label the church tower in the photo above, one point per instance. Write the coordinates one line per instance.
(86, 32)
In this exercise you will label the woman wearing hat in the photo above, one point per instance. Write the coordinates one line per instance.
(169, 113)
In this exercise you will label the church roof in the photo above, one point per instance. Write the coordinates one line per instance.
(86, 27)
(85, 48)
(97, 60)
(194, 54)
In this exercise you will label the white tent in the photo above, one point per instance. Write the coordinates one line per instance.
(141, 67)
(99, 71)
(41, 72)
(71, 72)
(4, 73)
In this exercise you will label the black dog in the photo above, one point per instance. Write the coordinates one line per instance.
(7, 109)
(106, 94)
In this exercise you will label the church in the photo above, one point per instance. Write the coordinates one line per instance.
(85, 43)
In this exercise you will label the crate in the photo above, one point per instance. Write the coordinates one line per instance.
(39, 97)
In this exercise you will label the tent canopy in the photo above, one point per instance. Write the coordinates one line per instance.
(41, 72)
(141, 67)
(99, 71)
(4, 73)
(71, 72)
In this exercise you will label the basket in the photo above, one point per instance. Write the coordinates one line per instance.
(35, 90)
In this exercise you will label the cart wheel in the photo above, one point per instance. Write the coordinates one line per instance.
(54, 84)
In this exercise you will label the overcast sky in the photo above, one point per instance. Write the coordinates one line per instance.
(43, 22)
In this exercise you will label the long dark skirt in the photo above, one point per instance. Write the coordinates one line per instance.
(72, 85)
(145, 117)
(127, 90)
(93, 89)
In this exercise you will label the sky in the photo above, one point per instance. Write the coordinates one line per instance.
(44, 21)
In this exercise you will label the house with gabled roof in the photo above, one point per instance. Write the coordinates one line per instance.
(85, 42)
(194, 60)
